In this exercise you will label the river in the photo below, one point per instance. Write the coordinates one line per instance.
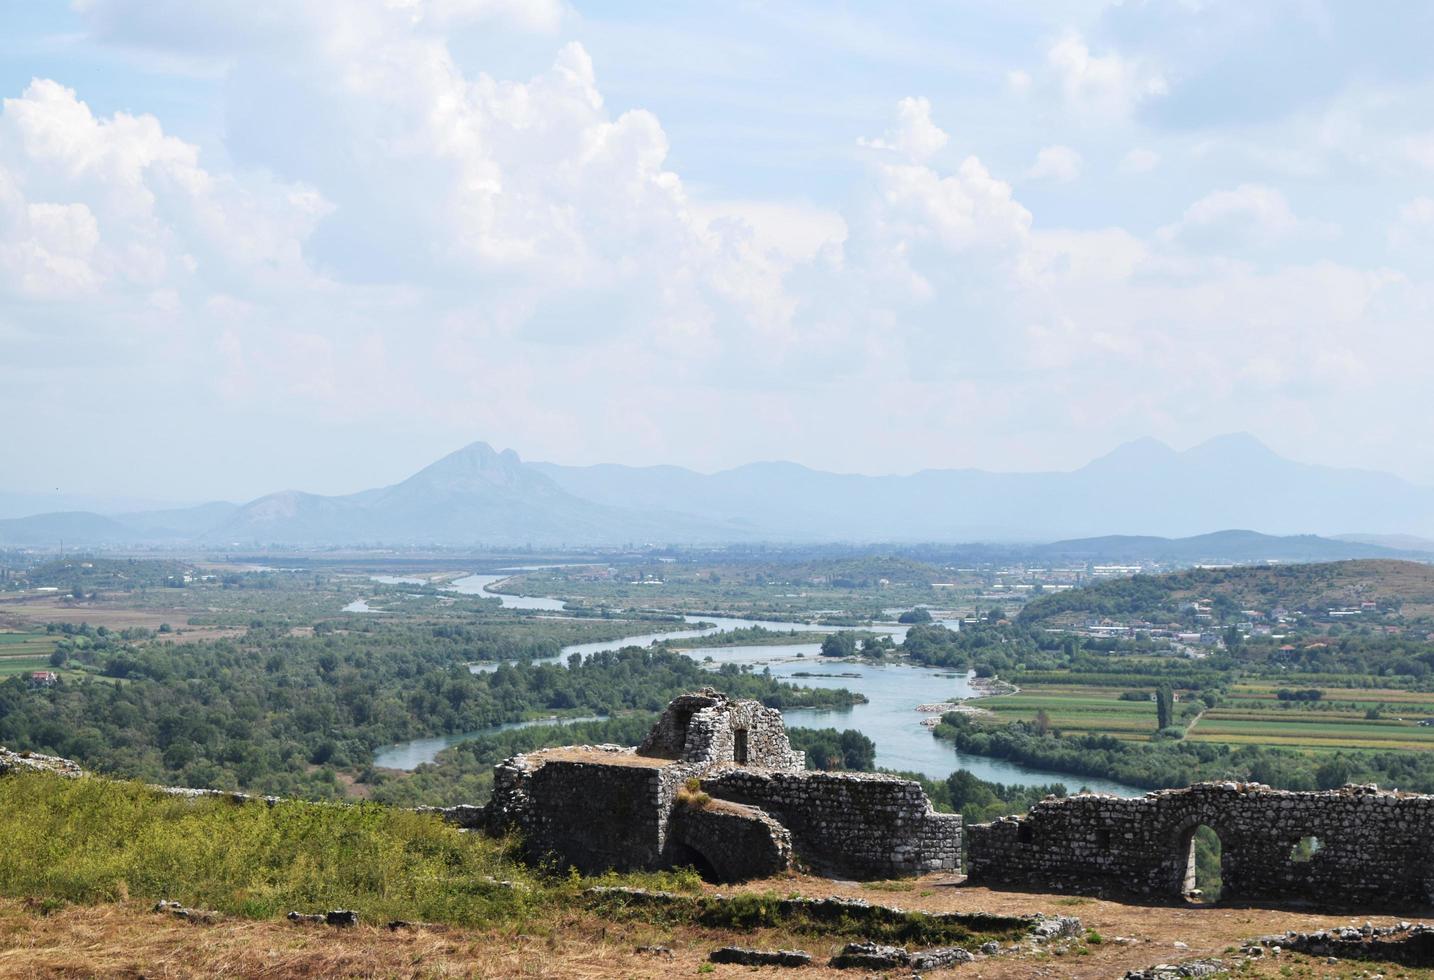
(889, 718)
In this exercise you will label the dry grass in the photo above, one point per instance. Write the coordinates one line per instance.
(598, 757)
(128, 941)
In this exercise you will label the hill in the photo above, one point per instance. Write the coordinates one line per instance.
(1220, 547)
(473, 497)
(1143, 487)
(1391, 586)
(480, 497)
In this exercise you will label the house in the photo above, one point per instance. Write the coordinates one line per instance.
(44, 678)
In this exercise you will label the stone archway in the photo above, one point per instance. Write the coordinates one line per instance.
(682, 855)
(1202, 857)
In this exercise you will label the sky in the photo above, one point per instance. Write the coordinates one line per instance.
(316, 244)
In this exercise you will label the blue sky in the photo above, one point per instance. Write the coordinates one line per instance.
(316, 243)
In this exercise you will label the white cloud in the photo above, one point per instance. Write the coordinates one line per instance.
(1058, 163)
(116, 203)
(1250, 214)
(404, 241)
(914, 135)
(964, 209)
(1414, 224)
(794, 230)
(1419, 149)
(1139, 161)
(1103, 84)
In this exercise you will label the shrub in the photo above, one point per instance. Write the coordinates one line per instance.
(692, 795)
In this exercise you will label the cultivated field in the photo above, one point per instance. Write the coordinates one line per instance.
(1252, 713)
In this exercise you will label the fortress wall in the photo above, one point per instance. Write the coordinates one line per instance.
(1374, 848)
(862, 825)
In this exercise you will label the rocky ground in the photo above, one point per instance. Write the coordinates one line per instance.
(132, 940)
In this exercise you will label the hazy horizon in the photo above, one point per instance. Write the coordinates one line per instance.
(94, 498)
(318, 245)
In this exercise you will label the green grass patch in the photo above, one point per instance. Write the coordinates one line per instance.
(10, 666)
(93, 840)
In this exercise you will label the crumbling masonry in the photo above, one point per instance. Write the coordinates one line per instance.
(1356, 846)
(601, 807)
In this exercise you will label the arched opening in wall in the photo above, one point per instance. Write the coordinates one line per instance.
(739, 746)
(1305, 849)
(1204, 859)
(686, 856)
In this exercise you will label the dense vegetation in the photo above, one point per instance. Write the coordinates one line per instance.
(283, 714)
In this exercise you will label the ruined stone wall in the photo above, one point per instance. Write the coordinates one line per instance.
(734, 842)
(862, 825)
(594, 814)
(1374, 846)
(706, 727)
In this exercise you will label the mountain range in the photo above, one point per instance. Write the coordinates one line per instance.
(480, 497)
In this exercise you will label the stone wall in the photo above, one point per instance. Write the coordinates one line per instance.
(595, 809)
(733, 842)
(1373, 847)
(709, 728)
(862, 825)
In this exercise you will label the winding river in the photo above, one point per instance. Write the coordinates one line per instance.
(889, 718)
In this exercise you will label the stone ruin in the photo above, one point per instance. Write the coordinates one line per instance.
(604, 807)
(1352, 847)
(607, 807)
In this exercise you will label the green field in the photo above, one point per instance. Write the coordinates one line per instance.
(21, 653)
(1078, 710)
(1251, 714)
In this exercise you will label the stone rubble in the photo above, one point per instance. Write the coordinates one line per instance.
(192, 915)
(1179, 971)
(340, 918)
(760, 957)
(1402, 943)
(34, 762)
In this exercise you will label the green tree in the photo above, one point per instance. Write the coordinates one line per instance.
(1164, 706)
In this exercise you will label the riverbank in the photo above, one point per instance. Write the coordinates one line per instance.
(892, 687)
(982, 687)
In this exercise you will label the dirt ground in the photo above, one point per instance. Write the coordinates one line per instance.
(18, 612)
(130, 941)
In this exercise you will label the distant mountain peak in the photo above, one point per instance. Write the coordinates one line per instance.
(1144, 451)
(1233, 445)
(476, 466)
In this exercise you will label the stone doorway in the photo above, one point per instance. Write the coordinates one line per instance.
(739, 746)
(682, 720)
(1204, 856)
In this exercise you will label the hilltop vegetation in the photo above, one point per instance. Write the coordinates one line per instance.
(283, 714)
(1392, 587)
